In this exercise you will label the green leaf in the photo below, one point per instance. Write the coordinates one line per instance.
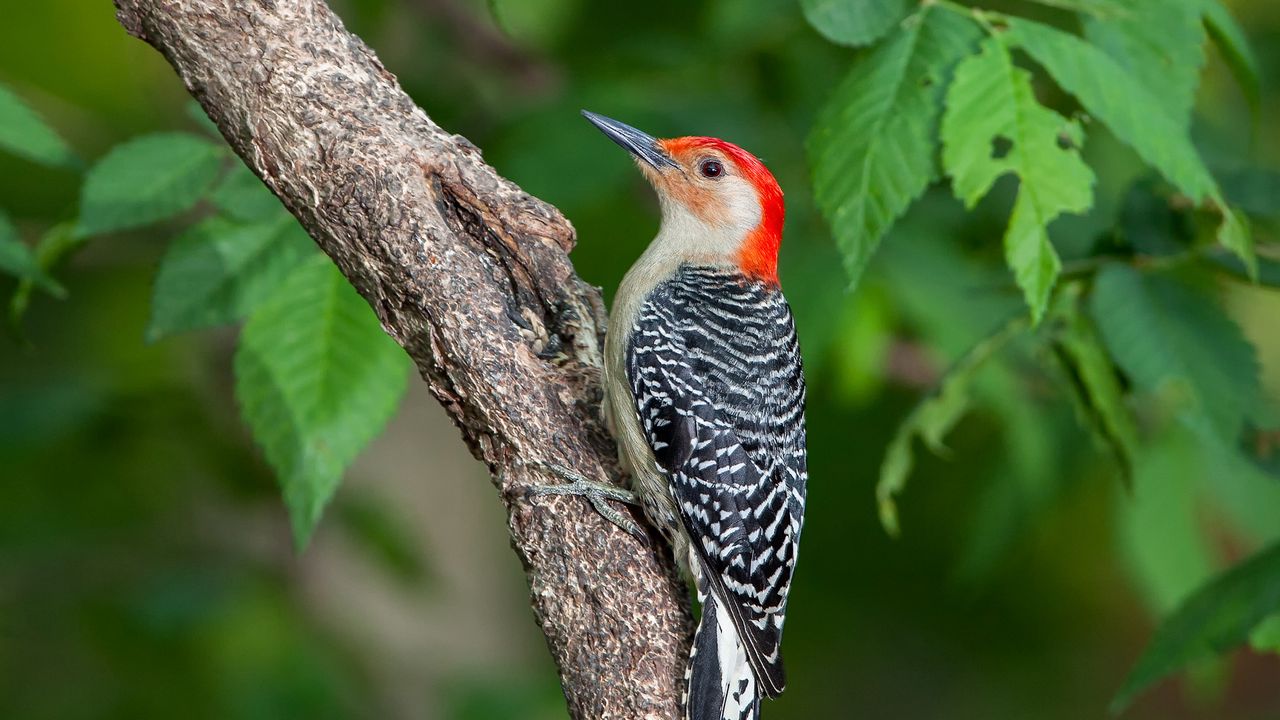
(1217, 618)
(1094, 381)
(1096, 8)
(1161, 332)
(1233, 44)
(1256, 190)
(17, 260)
(23, 133)
(1268, 271)
(1161, 44)
(147, 179)
(1235, 235)
(1137, 117)
(241, 195)
(1159, 525)
(932, 419)
(854, 22)
(1265, 638)
(993, 125)
(51, 249)
(1115, 97)
(218, 271)
(316, 379)
(873, 147)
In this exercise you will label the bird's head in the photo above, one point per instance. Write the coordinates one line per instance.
(720, 204)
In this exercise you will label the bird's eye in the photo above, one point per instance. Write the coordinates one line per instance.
(711, 168)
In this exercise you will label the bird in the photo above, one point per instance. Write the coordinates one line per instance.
(704, 392)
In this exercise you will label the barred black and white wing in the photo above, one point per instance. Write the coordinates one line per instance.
(715, 369)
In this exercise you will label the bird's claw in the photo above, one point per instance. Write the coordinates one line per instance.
(598, 494)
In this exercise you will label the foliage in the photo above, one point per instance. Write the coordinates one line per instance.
(991, 102)
(873, 148)
(146, 180)
(317, 379)
(1218, 617)
(315, 375)
(1055, 162)
(23, 132)
(932, 419)
(1137, 335)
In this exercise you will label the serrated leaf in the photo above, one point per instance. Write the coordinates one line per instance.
(316, 379)
(1094, 381)
(241, 195)
(17, 260)
(931, 420)
(1235, 48)
(854, 22)
(146, 180)
(218, 271)
(1116, 98)
(993, 126)
(1217, 618)
(1160, 331)
(23, 133)
(874, 145)
(1133, 113)
(1265, 638)
(1161, 44)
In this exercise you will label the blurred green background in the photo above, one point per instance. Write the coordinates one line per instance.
(146, 566)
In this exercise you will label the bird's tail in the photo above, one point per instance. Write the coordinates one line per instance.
(719, 683)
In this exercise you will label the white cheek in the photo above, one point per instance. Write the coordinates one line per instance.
(742, 203)
(715, 239)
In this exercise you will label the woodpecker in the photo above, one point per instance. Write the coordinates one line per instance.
(705, 394)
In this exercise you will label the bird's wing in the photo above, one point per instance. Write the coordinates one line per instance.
(721, 404)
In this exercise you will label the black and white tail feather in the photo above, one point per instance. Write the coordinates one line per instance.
(718, 680)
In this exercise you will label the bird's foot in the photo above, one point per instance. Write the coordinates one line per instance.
(597, 493)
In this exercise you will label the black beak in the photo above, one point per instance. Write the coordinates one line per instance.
(642, 145)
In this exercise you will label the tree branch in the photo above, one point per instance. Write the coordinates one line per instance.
(471, 275)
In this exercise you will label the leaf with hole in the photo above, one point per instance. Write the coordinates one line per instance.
(218, 271)
(994, 126)
(316, 379)
(147, 179)
(873, 147)
(1134, 114)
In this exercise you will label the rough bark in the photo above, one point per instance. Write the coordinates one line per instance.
(471, 275)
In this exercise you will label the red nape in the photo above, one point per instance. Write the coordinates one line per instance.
(759, 254)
